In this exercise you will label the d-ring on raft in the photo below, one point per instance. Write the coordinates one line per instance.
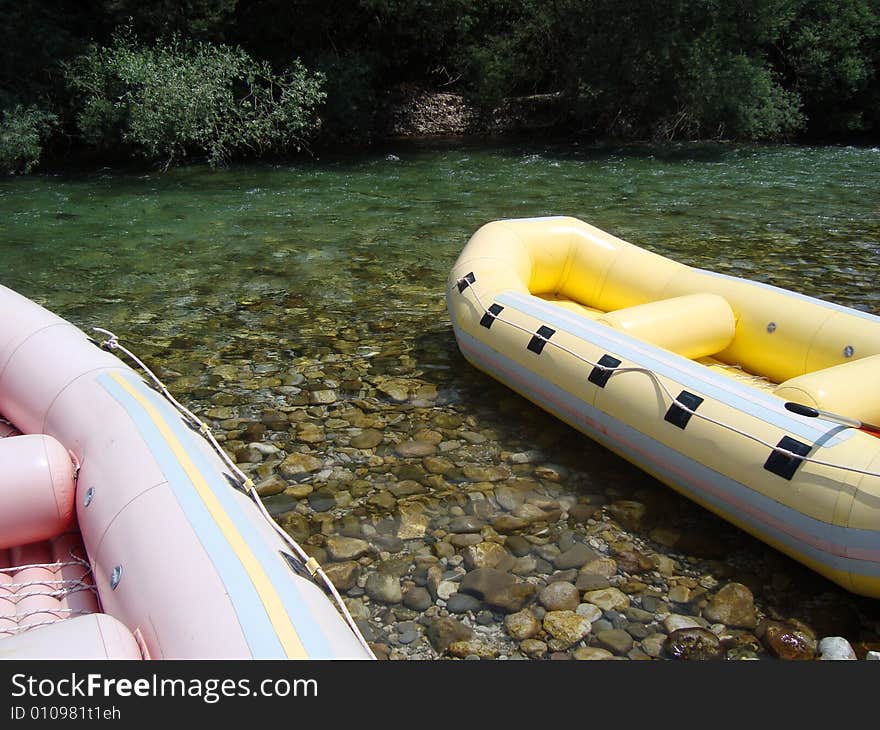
(686, 373)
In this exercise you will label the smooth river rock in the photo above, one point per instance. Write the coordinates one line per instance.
(559, 596)
(346, 548)
(384, 587)
(417, 598)
(485, 555)
(369, 438)
(836, 648)
(506, 524)
(408, 449)
(445, 630)
(566, 629)
(466, 524)
(693, 643)
(675, 622)
(295, 525)
(522, 625)
(734, 606)
(608, 599)
(413, 521)
(615, 640)
(343, 575)
(630, 514)
(534, 648)
(472, 647)
(498, 589)
(788, 640)
(297, 464)
(591, 653)
(462, 603)
(575, 557)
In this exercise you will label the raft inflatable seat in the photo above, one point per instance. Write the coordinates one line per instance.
(96, 636)
(36, 489)
(687, 373)
(850, 388)
(710, 324)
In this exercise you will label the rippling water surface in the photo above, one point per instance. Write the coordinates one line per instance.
(235, 283)
(194, 250)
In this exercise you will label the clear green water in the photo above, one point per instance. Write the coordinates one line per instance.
(193, 244)
(265, 262)
(221, 279)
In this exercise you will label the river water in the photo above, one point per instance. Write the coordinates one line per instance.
(252, 287)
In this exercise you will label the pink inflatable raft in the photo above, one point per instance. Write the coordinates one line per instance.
(124, 533)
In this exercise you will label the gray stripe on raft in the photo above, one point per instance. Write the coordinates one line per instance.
(686, 472)
(725, 390)
(306, 624)
(256, 626)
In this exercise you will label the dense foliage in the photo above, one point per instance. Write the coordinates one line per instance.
(178, 97)
(22, 133)
(222, 77)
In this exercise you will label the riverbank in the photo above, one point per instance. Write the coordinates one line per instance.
(418, 112)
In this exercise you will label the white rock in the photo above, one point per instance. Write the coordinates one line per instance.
(836, 648)
(446, 589)
(675, 621)
(526, 457)
(265, 449)
(589, 611)
(608, 599)
(873, 655)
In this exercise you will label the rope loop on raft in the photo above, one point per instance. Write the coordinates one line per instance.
(467, 284)
(245, 483)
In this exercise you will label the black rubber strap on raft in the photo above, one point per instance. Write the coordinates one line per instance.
(489, 317)
(678, 416)
(466, 281)
(602, 370)
(784, 465)
(536, 344)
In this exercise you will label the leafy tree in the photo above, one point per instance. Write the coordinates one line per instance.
(23, 129)
(664, 69)
(177, 97)
(831, 52)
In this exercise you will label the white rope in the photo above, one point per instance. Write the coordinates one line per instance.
(656, 378)
(17, 568)
(310, 563)
(36, 612)
(67, 588)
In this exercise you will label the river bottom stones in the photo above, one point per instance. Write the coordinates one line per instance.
(458, 525)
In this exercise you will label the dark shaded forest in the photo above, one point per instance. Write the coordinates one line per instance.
(225, 79)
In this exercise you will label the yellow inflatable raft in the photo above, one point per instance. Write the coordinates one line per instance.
(754, 401)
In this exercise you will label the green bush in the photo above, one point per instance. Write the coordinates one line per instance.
(178, 98)
(23, 131)
(734, 96)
